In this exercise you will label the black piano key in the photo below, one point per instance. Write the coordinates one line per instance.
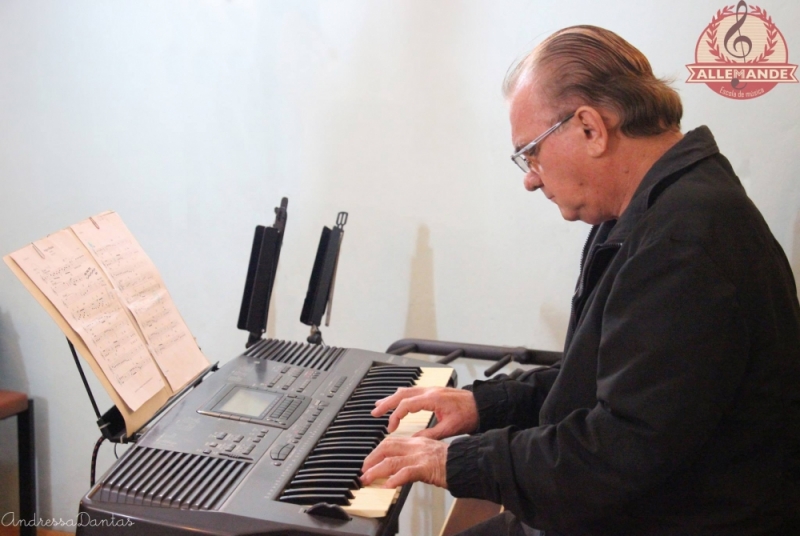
(324, 482)
(376, 392)
(365, 431)
(372, 396)
(377, 389)
(360, 421)
(397, 369)
(364, 402)
(365, 405)
(402, 371)
(368, 428)
(345, 449)
(330, 472)
(341, 491)
(360, 412)
(334, 460)
(388, 382)
(332, 441)
(403, 376)
(363, 408)
(314, 498)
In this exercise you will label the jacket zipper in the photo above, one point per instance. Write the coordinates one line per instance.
(586, 264)
(584, 254)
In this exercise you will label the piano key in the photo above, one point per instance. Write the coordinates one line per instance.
(357, 413)
(386, 377)
(334, 462)
(341, 491)
(334, 441)
(372, 395)
(320, 482)
(329, 471)
(365, 431)
(387, 382)
(360, 421)
(333, 459)
(314, 498)
(345, 449)
(364, 411)
(360, 405)
(398, 369)
(372, 380)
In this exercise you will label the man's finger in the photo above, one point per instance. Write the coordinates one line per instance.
(408, 405)
(386, 468)
(390, 402)
(410, 473)
(437, 432)
(389, 447)
(373, 458)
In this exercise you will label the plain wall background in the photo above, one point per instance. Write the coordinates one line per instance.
(192, 119)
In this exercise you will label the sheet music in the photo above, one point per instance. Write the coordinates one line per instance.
(75, 285)
(142, 290)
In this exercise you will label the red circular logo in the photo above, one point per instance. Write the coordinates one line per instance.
(741, 54)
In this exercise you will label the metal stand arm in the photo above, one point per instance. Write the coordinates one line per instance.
(453, 350)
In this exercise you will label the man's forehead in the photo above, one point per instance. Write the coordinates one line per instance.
(526, 88)
(526, 110)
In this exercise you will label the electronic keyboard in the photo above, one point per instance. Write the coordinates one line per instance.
(272, 443)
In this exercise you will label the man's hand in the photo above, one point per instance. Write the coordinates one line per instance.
(407, 459)
(455, 409)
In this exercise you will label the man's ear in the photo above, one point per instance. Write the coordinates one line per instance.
(595, 132)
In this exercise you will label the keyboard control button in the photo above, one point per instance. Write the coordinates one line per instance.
(285, 451)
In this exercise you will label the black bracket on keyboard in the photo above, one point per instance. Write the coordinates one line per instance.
(324, 509)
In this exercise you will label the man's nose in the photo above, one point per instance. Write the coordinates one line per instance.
(532, 181)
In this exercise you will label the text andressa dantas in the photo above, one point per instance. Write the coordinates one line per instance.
(83, 520)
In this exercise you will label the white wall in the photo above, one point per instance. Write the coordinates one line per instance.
(192, 120)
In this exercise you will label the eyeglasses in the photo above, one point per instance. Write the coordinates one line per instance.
(520, 158)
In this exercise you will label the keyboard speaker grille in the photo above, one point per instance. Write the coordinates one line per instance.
(310, 356)
(155, 477)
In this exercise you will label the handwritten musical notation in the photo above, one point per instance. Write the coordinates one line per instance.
(142, 291)
(76, 286)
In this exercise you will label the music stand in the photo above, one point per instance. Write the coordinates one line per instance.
(323, 278)
(261, 272)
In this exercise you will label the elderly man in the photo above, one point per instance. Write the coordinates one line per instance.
(676, 407)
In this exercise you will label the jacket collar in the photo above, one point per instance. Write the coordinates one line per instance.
(695, 146)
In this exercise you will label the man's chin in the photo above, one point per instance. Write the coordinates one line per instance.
(569, 215)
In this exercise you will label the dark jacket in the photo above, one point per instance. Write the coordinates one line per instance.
(676, 407)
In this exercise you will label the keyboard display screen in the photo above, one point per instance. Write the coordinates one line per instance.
(247, 402)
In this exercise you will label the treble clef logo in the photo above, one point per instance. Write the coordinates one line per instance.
(741, 41)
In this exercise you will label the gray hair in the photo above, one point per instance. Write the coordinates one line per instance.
(594, 66)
